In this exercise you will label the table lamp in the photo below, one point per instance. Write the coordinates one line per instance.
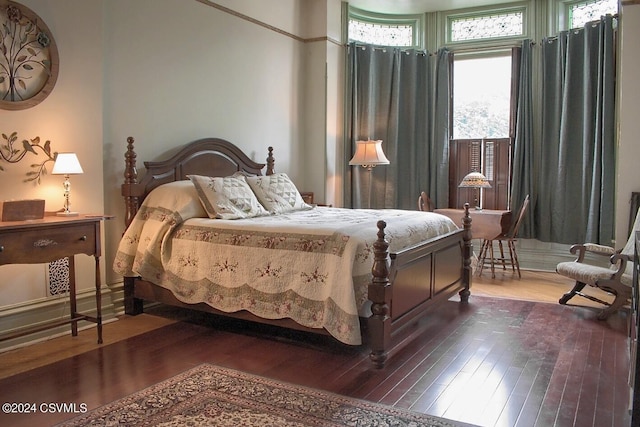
(478, 181)
(369, 154)
(66, 164)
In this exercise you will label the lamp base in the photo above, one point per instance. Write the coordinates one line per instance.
(64, 213)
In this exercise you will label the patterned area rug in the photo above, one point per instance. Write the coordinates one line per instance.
(208, 395)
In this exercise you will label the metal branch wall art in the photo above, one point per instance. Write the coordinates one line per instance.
(28, 57)
(12, 151)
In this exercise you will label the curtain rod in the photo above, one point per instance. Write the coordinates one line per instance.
(401, 49)
(592, 23)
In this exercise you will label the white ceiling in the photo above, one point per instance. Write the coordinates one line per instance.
(418, 6)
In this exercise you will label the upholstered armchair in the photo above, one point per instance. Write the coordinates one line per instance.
(615, 280)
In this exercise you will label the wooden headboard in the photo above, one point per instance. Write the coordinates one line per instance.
(208, 157)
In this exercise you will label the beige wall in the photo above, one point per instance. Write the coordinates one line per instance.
(628, 118)
(71, 118)
(176, 71)
(166, 72)
(171, 71)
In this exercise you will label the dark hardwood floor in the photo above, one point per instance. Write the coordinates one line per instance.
(492, 362)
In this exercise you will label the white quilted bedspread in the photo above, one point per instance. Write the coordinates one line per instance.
(311, 266)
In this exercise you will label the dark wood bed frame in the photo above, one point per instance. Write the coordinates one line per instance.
(403, 285)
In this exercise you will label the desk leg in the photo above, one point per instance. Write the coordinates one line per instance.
(98, 300)
(72, 295)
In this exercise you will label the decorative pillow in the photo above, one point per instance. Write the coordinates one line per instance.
(277, 193)
(227, 198)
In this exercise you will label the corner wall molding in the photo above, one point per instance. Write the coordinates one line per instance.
(265, 25)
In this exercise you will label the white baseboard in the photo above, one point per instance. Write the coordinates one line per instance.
(16, 317)
(544, 256)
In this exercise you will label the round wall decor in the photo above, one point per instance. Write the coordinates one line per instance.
(28, 57)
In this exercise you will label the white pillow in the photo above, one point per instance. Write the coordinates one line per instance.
(277, 193)
(227, 198)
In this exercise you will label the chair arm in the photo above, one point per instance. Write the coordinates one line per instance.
(599, 249)
(621, 260)
(581, 250)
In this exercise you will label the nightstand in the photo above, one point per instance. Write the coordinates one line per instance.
(49, 239)
(307, 196)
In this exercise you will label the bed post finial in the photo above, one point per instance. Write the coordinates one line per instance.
(130, 172)
(380, 297)
(270, 162)
(467, 250)
(130, 179)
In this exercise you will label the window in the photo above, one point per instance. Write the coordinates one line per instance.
(587, 11)
(481, 97)
(484, 27)
(380, 34)
(482, 106)
(481, 126)
(397, 30)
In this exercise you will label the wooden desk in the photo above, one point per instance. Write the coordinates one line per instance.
(49, 239)
(486, 224)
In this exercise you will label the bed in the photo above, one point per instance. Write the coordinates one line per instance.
(359, 275)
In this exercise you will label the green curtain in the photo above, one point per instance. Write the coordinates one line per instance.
(523, 161)
(575, 201)
(402, 98)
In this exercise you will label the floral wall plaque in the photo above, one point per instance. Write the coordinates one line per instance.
(28, 57)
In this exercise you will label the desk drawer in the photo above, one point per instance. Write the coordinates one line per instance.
(46, 244)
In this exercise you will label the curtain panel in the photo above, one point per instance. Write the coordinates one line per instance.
(564, 149)
(564, 141)
(575, 201)
(401, 97)
(523, 159)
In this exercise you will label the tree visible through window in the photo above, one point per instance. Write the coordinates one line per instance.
(481, 97)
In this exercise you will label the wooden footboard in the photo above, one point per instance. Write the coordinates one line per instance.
(405, 284)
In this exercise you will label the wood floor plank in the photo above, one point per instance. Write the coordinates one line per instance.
(493, 362)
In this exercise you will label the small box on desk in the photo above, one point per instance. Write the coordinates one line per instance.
(22, 210)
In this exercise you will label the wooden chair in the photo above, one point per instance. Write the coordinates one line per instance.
(616, 280)
(510, 238)
(424, 203)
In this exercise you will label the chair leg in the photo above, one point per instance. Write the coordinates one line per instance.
(616, 305)
(622, 294)
(513, 266)
(514, 257)
(493, 269)
(579, 286)
(504, 264)
(481, 257)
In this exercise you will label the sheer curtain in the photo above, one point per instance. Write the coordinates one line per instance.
(401, 97)
(576, 182)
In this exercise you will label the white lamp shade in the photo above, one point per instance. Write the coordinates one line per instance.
(66, 164)
(369, 153)
(474, 180)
